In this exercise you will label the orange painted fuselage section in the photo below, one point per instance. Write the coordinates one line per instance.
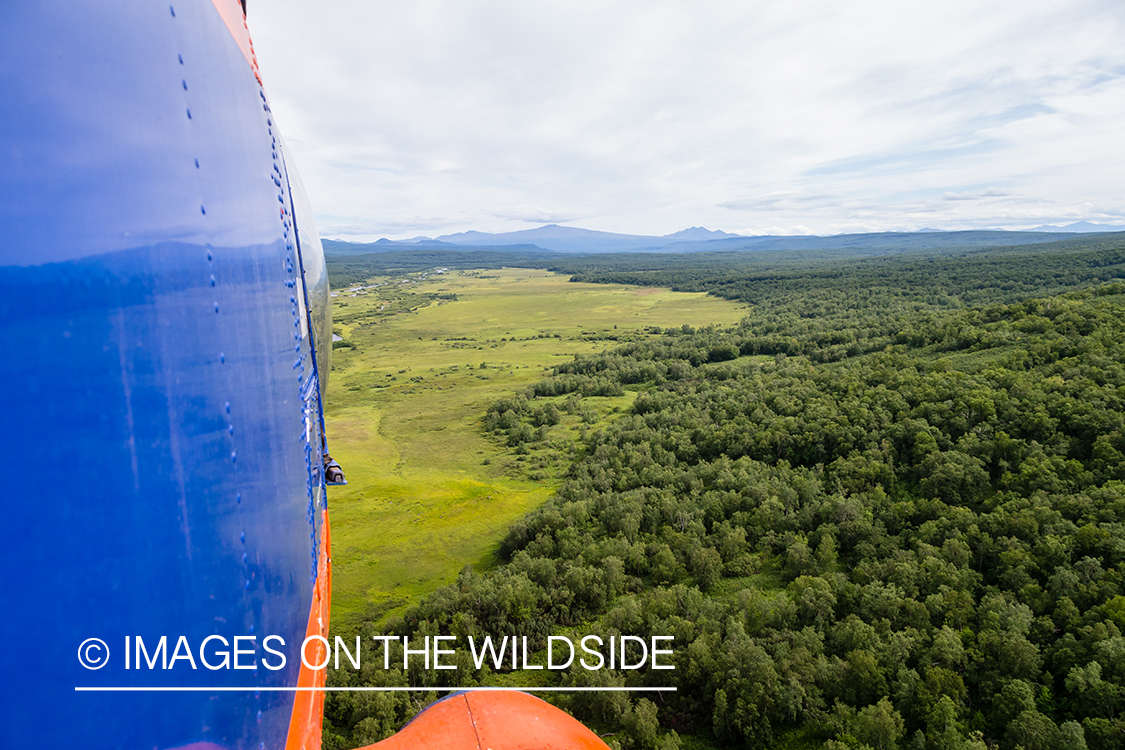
(308, 707)
(492, 720)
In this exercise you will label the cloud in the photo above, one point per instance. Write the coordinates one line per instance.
(537, 215)
(353, 226)
(777, 231)
(756, 202)
(777, 200)
(971, 196)
(653, 117)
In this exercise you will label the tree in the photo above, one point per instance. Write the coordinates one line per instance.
(879, 725)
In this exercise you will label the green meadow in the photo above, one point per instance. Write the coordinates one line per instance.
(423, 355)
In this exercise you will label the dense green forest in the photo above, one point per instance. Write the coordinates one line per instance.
(886, 510)
(868, 279)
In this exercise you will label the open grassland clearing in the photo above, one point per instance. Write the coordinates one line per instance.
(423, 356)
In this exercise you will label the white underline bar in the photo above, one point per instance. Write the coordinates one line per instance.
(368, 689)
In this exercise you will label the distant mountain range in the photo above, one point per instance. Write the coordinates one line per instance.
(1080, 226)
(575, 240)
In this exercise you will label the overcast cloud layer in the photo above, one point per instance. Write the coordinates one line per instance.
(435, 116)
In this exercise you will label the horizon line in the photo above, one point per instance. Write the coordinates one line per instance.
(1050, 228)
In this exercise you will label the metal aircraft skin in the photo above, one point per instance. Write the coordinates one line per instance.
(164, 307)
(163, 303)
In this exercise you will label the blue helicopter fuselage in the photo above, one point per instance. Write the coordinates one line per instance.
(163, 303)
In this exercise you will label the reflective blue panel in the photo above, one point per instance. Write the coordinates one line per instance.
(164, 477)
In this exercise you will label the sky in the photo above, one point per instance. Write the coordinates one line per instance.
(427, 117)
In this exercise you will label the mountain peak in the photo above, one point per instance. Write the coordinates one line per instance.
(699, 233)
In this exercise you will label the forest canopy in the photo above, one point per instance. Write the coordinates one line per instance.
(886, 510)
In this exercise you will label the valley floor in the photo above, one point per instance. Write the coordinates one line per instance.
(422, 357)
